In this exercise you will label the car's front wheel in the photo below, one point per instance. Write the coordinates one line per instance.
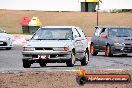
(42, 64)
(124, 55)
(71, 61)
(92, 50)
(26, 64)
(85, 60)
(108, 51)
(9, 48)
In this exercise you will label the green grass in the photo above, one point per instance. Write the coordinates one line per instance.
(10, 20)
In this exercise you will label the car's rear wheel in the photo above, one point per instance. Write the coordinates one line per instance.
(26, 64)
(85, 60)
(92, 50)
(108, 51)
(9, 48)
(71, 61)
(42, 64)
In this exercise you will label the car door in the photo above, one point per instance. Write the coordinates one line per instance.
(103, 37)
(83, 39)
(77, 41)
(96, 38)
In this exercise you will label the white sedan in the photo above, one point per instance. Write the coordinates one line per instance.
(5, 40)
(56, 44)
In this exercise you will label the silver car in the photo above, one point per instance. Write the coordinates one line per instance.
(56, 44)
(5, 40)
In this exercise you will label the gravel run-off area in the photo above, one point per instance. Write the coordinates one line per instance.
(56, 79)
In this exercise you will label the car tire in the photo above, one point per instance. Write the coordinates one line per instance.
(92, 50)
(9, 48)
(108, 51)
(124, 55)
(85, 60)
(71, 61)
(42, 64)
(26, 64)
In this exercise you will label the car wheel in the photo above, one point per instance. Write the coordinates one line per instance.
(42, 64)
(85, 60)
(71, 61)
(108, 51)
(124, 55)
(9, 48)
(26, 64)
(92, 50)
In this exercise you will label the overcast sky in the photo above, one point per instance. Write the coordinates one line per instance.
(39, 4)
(60, 4)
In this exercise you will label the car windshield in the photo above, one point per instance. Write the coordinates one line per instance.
(120, 32)
(53, 34)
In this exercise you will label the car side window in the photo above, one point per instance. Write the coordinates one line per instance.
(81, 33)
(76, 33)
(103, 31)
(97, 32)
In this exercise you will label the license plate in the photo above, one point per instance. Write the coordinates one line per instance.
(1, 42)
(43, 56)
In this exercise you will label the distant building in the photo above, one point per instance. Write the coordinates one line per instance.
(88, 5)
(65, 5)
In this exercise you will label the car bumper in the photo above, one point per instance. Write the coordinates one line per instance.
(49, 55)
(9, 46)
(6, 44)
(121, 49)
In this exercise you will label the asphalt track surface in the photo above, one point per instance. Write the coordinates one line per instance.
(11, 61)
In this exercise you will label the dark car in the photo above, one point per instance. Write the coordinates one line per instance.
(111, 40)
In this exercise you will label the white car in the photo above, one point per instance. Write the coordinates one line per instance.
(5, 40)
(56, 44)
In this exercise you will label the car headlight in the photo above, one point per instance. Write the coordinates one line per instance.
(66, 49)
(119, 44)
(61, 49)
(28, 49)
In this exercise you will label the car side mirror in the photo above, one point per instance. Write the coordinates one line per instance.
(27, 39)
(103, 36)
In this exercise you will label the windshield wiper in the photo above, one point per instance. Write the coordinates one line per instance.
(45, 39)
(40, 39)
(63, 39)
(52, 39)
(122, 36)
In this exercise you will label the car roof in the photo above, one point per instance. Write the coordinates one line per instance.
(111, 27)
(59, 27)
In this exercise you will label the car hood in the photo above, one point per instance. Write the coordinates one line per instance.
(4, 36)
(48, 43)
(123, 39)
